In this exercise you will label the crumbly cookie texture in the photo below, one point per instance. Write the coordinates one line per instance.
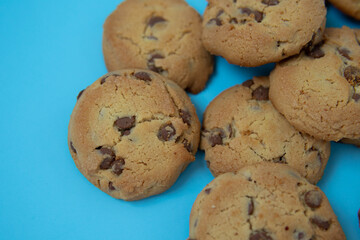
(349, 7)
(319, 91)
(242, 127)
(255, 32)
(263, 202)
(162, 36)
(132, 132)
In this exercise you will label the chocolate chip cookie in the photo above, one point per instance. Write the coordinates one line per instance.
(242, 127)
(132, 132)
(319, 91)
(263, 202)
(255, 32)
(163, 36)
(349, 7)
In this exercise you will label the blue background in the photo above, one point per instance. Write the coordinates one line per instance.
(49, 51)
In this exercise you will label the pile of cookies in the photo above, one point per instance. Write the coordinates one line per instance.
(134, 130)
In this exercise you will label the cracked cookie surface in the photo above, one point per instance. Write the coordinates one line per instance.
(265, 201)
(319, 91)
(162, 36)
(349, 7)
(242, 127)
(255, 32)
(132, 132)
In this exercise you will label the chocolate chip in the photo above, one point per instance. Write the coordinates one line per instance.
(124, 124)
(233, 21)
(117, 166)
(216, 137)
(186, 117)
(151, 63)
(322, 224)
(251, 207)
(286, 228)
(352, 75)
(80, 93)
(356, 97)
(246, 11)
(270, 2)
(261, 93)
(315, 52)
(248, 83)
(107, 151)
(155, 20)
(208, 190)
(344, 52)
(106, 163)
(258, 16)
(103, 80)
(166, 132)
(216, 21)
(260, 235)
(111, 187)
(143, 76)
(313, 198)
(187, 145)
(72, 147)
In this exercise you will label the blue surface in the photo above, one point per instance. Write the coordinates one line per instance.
(50, 50)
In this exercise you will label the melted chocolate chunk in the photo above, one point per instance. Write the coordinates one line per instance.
(186, 117)
(72, 147)
(111, 187)
(344, 52)
(260, 235)
(251, 207)
(261, 93)
(315, 52)
(106, 163)
(248, 83)
(270, 2)
(124, 124)
(166, 132)
(155, 20)
(215, 21)
(216, 137)
(103, 80)
(187, 145)
(151, 63)
(208, 190)
(246, 11)
(143, 76)
(117, 166)
(313, 198)
(80, 93)
(258, 16)
(322, 224)
(106, 151)
(352, 75)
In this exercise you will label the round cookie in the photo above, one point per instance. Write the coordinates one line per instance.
(132, 132)
(242, 127)
(163, 36)
(255, 32)
(319, 90)
(265, 201)
(349, 7)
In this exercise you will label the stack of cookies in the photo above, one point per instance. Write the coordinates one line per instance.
(134, 130)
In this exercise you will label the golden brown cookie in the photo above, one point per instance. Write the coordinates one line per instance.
(132, 132)
(319, 91)
(349, 7)
(255, 32)
(242, 127)
(163, 36)
(266, 201)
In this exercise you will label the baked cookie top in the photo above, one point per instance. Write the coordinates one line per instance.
(319, 91)
(349, 7)
(242, 127)
(132, 132)
(255, 32)
(163, 36)
(263, 202)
